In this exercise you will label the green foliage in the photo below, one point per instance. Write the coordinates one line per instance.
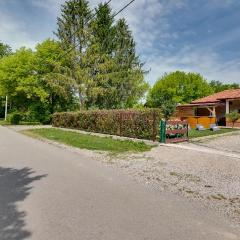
(178, 87)
(18, 78)
(103, 63)
(20, 82)
(5, 50)
(101, 71)
(168, 108)
(218, 86)
(52, 72)
(35, 82)
(89, 142)
(234, 116)
(129, 123)
(14, 118)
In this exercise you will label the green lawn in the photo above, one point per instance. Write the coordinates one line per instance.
(195, 133)
(90, 142)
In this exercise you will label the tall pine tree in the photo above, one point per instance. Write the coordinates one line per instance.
(106, 68)
(73, 33)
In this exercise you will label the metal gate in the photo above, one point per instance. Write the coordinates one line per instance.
(173, 131)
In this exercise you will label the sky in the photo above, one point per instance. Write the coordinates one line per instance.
(196, 36)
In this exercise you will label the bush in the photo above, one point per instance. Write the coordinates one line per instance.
(233, 117)
(38, 113)
(141, 124)
(15, 118)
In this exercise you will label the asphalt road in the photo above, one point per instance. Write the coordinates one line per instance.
(51, 193)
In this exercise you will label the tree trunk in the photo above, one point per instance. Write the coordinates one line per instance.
(81, 101)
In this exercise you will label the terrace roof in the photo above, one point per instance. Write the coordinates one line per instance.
(217, 97)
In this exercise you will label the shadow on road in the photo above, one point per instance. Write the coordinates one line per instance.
(15, 186)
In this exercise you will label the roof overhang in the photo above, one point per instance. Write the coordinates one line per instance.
(206, 104)
(230, 99)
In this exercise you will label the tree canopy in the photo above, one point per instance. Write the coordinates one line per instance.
(5, 50)
(103, 59)
(218, 86)
(30, 81)
(178, 87)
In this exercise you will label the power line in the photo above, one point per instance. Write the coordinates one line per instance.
(121, 10)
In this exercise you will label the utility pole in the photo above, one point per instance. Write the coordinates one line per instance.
(6, 108)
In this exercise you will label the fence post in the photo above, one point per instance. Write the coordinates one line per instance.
(154, 127)
(163, 131)
(121, 120)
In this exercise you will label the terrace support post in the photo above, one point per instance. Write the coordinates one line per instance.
(121, 123)
(227, 107)
(154, 127)
(214, 111)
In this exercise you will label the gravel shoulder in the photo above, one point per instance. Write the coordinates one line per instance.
(230, 143)
(211, 179)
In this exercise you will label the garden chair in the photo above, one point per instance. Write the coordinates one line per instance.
(200, 127)
(214, 127)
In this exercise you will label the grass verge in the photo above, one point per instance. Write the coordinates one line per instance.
(2, 123)
(89, 142)
(196, 134)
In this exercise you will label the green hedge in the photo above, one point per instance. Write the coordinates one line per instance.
(141, 124)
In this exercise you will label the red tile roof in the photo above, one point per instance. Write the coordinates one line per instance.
(227, 94)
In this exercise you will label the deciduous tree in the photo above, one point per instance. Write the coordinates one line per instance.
(178, 87)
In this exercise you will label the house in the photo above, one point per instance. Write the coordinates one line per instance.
(211, 109)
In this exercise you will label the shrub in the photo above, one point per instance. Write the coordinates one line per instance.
(233, 117)
(141, 124)
(38, 113)
(15, 118)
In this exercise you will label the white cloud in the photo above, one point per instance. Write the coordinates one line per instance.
(190, 59)
(14, 32)
(52, 6)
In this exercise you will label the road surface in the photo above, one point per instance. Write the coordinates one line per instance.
(47, 192)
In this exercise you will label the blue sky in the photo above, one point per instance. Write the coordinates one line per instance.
(201, 35)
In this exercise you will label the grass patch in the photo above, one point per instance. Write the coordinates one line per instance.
(90, 142)
(2, 123)
(196, 134)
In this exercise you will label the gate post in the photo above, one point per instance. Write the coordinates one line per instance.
(162, 131)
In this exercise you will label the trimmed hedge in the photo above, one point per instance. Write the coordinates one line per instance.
(143, 124)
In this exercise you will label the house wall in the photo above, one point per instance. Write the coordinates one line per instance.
(188, 114)
(205, 121)
(184, 112)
